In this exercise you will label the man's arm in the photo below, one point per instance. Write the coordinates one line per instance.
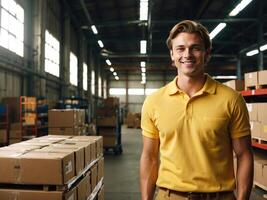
(242, 149)
(149, 167)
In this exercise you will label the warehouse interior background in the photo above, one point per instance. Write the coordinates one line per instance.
(85, 51)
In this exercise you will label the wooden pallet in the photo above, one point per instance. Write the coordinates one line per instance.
(256, 184)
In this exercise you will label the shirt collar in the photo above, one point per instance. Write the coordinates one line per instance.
(209, 86)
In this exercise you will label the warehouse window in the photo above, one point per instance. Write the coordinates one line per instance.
(136, 91)
(52, 51)
(85, 76)
(73, 69)
(117, 91)
(149, 91)
(12, 27)
(99, 86)
(93, 82)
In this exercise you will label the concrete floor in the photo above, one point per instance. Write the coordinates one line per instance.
(121, 178)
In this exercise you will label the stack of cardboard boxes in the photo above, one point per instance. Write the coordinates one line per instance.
(66, 122)
(255, 80)
(237, 85)
(52, 167)
(107, 121)
(133, 120)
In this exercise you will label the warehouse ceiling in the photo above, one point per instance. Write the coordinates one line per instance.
(120, 29)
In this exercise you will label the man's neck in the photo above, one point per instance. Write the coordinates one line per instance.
(191, 85)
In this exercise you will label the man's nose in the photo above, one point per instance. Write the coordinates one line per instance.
(187, 52)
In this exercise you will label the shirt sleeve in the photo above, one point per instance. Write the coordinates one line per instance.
(239, 125)
(147, 120)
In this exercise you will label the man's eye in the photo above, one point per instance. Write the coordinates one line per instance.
(179, 49)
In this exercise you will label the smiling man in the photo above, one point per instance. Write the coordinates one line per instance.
(192, 126)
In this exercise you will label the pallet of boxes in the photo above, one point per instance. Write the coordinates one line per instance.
(108, 124)
(53, 167)
(66, 122)
(133, 120)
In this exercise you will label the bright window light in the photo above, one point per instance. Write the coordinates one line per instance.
(143, 82)
(99, 86)
(108, 62)
(143, 14)
(218, 29)
(143, 46)
(12, 27)
(143, 74)
(263, 47)
(143, 64)
(94, 29)
(117, 78)
(143, 70)
(117, 91)
(51, 54)
(93, 82)
(73, 69)
(252, 53)
(239, 7)
(111, 69)
(149, 91)
(100, 43)
(225, 77)
(115, 73)
(85, 70)
(136, 91)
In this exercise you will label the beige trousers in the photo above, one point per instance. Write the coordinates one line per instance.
(168, 195)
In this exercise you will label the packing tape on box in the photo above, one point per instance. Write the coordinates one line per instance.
(71, 197)
(15, 195)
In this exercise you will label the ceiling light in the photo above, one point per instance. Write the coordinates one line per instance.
(263, 47)
(239, 7)
(100, 43)
(117, 78)
(111, 69)
(115, 73)
(143, 69)
(108, 62)
(225, 77)
(143, 12)
(143, 64)
(143, 46)
(94, 29)
(218, 28)
(252, 53)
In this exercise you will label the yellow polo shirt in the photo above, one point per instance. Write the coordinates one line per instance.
(195, 135)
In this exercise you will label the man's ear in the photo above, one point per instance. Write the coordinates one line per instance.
(207, 56)
(171, 54)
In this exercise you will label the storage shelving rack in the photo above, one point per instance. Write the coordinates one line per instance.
(42, 117)
(4, 123)
(28, 117)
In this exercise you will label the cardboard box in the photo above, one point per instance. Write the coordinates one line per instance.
(65, 117)
(109, 141)
(112, 102)
(13, 104)
(3, 136)
(137, 123)
(15, 134)
(262, 113)
(262, 77)
(263, 134)
(107, 121)
(83, 189)
(256, 129)
(130, 120)
(93, 171)
(88, 183)
(100, 195)
(100, 169)
(253, 111)
(64, 130)
(251, 79)
(15, 126)
(107, 131)
(54, 168)
(237, 85)
(55, 137)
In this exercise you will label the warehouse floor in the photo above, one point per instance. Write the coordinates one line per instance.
(121, 178)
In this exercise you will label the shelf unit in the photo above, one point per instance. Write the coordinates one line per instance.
(257, 95)
(42, 117)
(4, 125)
(28, 117)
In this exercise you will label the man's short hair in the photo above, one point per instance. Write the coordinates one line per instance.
(188, 26)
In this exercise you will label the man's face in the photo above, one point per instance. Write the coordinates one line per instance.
(188, 54)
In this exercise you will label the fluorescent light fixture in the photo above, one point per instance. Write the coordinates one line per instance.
(252, 53)
(143, 12)
(143, 46)
(94, 29)
(143, 70)
(143, 64)
(111, 69)
(263, 47)
(100, 43)
(225, 77)
(239, 7)
(115, 73)
(117, 78)
(218, 29)
(108, 62)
